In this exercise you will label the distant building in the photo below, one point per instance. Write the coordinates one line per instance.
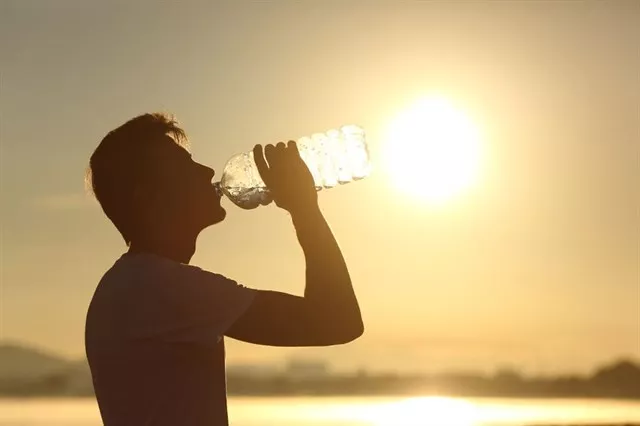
(307, 369)
(253, 371)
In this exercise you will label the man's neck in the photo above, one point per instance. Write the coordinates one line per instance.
(177, 249)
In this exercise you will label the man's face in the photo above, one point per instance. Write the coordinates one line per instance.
(183, 190)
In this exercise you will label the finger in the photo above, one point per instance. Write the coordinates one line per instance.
(275, 156)
(269, 151)
(293, 149)
(261, 163)
(281, 151)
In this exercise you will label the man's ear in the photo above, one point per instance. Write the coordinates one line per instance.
(143, 198)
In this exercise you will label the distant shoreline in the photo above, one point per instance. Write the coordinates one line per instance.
(29, 373)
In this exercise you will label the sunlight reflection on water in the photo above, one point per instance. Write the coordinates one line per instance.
(379, 411)
(437, 411)
(415, 411)
(440, 411)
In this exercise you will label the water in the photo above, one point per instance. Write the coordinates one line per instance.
(354, 411)
(247, 198)
(334, 158)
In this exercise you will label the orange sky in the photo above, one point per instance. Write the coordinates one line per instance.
(536, 266)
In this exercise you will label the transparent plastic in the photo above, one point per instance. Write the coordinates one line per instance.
(334, 158)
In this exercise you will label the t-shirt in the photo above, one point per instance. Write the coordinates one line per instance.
(154, 341)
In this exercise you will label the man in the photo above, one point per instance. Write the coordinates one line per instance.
(156, 325)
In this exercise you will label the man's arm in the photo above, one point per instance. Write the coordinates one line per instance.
(328, 314)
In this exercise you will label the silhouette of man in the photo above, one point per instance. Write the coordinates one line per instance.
(155, 327)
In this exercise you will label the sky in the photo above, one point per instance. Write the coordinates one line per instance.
(536, 265)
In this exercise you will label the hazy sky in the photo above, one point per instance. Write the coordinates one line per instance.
(536, 266)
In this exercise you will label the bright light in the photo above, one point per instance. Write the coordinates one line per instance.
(438, 411)
(433, 150)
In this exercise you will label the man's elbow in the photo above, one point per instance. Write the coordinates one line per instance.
(349, 334)
(356, 333)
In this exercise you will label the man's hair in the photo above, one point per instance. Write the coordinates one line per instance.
(119, 163)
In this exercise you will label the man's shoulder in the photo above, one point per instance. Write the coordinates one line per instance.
(141, 265)
(149, 297)
(142, 268)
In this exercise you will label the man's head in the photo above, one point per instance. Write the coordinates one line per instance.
(147, 184)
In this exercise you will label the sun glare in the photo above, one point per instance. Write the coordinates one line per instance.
(439, 411)
(432, 150)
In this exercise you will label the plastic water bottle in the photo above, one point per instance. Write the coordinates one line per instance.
(335, 157)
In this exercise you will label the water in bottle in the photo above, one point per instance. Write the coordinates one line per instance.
(335, 157)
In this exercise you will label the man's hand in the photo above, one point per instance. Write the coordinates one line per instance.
(287, 177)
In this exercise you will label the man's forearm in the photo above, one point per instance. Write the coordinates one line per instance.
(328, 284)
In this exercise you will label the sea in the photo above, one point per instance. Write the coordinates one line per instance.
(355, 411)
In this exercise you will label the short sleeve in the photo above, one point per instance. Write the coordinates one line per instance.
(182, 303)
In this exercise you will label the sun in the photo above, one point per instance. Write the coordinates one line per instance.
(432, 150)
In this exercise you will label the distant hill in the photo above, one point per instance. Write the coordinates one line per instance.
(25, 363)
(27, 371)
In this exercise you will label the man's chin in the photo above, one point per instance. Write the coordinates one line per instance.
(219, 215)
